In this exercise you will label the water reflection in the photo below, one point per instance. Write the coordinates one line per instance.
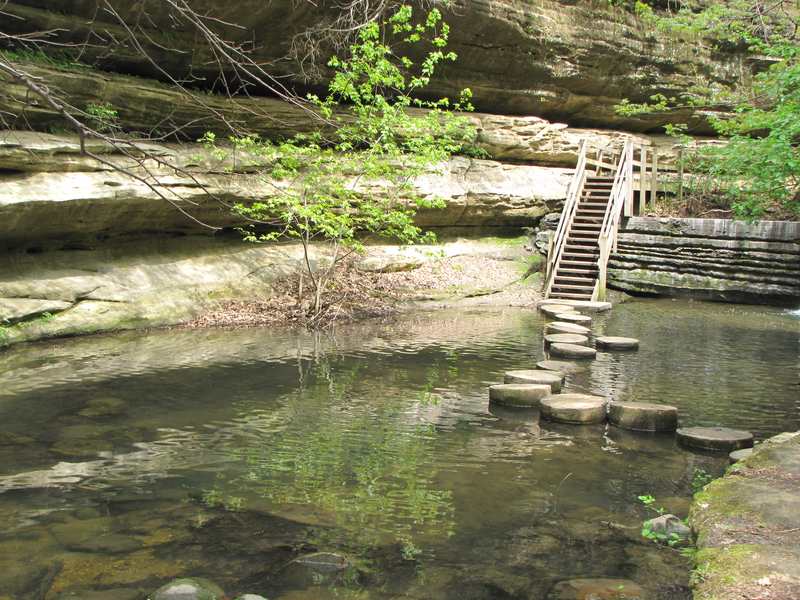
(133, 459)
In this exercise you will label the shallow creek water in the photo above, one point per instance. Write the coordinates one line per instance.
(130, 460)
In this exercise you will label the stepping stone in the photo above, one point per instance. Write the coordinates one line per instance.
(572, 350)
(573, 317)
(560, 327)
(554, 310)
(518, 394)
(643, 416)
(566, 338)
(552, 378)
(580, 305)
(715, 438)
(559, 365)
(738, 455)
(573, 408)
(616, 343)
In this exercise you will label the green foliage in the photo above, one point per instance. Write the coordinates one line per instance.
(671, 539)
(701, 479)
(103, 117)
(360, 180)
(759, 167)
(58, 61)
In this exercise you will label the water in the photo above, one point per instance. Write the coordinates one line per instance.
(146, 456)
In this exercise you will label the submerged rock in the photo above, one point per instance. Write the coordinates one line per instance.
(598, 589)
(82, 447)
(670, 526)
(324, 561)
(195, 588)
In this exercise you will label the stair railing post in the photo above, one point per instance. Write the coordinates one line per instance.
(629, 176)
(599, 294)
(653, 194)
(642, 180)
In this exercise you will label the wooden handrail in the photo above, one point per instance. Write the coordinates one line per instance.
(622, 164)
(567, 216)
(621, 195)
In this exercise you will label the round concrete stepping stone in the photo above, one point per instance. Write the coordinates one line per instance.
(643, 416)
(552, 378)
(738, 455)
(573, 317)
(573, 408)
(611, 342)
(584, 306)
(559, 365)
(566, 338)
(560, 327)
(553, 310)
(572, 350)
(715, 438)
(519, 394)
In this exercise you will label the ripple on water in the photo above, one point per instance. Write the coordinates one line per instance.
(382, 436)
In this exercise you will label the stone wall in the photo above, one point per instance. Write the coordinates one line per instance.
(714, 259)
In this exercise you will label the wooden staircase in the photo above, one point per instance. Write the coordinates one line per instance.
(576, 274)
(587, 233)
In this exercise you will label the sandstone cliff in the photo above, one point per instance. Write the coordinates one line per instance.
(562, 61)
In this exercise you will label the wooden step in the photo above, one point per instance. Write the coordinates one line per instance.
(558, 282)
(570, 277)
(589, 226)
(569, 296)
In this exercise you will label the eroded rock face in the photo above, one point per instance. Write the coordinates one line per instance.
(563, 61)
(712, 259)
(54, 197)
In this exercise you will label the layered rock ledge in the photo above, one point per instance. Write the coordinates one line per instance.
(711, 259)
(748, 526)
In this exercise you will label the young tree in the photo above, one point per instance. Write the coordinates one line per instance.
(352, 177)
(360, 181)
(759, 166)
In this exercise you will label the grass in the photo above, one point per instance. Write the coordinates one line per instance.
(59, 61)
